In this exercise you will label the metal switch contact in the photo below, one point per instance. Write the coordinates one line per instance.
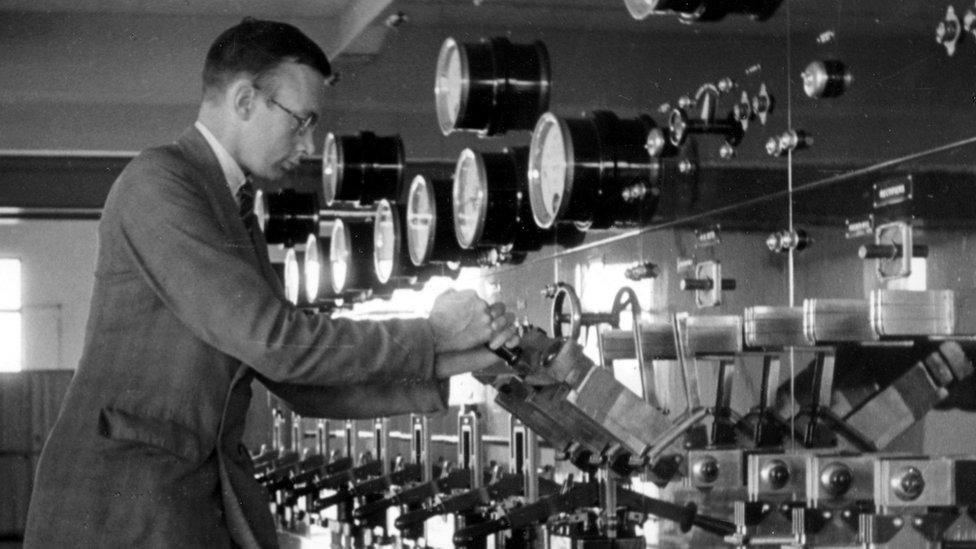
(707, 283)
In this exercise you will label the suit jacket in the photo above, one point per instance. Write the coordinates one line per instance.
(187, 311)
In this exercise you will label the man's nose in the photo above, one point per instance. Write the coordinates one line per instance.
(306, 143)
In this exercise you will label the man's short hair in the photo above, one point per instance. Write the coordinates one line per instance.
(255, 47)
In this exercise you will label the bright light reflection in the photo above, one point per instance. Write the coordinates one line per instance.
(11, 359)
(10, 284)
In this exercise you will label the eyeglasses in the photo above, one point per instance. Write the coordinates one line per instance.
(305, 123)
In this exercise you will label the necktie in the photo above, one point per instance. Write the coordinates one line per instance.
(245, 201)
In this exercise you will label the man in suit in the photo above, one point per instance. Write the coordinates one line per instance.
(187, 311)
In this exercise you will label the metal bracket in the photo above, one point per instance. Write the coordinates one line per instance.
(895, 233)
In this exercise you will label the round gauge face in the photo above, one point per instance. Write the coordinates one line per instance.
(385, 235)
(339, 256)
(312, 268)
(470, 198)
(261, 209)
(449, 86)
(421, 220)
(331, 169)
(640, 9)
(293, 279)
(550, 170)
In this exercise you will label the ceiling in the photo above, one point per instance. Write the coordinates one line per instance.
(259, 8)
(355, 27)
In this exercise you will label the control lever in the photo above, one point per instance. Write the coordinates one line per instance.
(580, 495)
(340, 479)
(515, 358)
(278, 466)
(304, 483)
(322, 504)
(685, 515)
(507, 486)
(266, 454)
(512, 356)
(588, 495)
(890, 251)
(409, 473)
(457, 479)
(309, 465)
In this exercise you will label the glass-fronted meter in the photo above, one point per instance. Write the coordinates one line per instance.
(491, 87)
(596, 171)
(317, 269)
(287, 216)
(361, 168)
(430, 224)
(491, 206)
(351, 258)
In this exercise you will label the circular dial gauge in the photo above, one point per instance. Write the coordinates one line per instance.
(421, 221)
(331, 169)
(339, 255)
(449, 87)
(550, 170)
(470, 198)
(312, 268)
(385, 241)
(640, 9)
(293, 279)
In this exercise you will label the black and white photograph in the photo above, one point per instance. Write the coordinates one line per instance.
(488, 274)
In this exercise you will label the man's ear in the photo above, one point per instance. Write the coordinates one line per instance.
(243, 98)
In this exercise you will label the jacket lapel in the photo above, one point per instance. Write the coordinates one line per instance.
(196, 149)
(201, 156)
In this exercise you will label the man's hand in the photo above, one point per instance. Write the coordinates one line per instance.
(463, 324)
(462, 321)
(536, 347)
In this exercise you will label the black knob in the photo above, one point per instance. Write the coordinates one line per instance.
(475, 532)
(776, 474)
(705, 470)
(908, 484)
(836, 479)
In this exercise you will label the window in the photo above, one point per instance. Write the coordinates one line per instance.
(11, 355)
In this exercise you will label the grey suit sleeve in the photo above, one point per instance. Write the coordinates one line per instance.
(213, 284)
(364, 400)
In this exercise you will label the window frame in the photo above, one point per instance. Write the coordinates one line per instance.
(13, 362)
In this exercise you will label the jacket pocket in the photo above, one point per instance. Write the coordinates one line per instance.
(172, 437)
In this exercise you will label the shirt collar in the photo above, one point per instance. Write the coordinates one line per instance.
(233, 174)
